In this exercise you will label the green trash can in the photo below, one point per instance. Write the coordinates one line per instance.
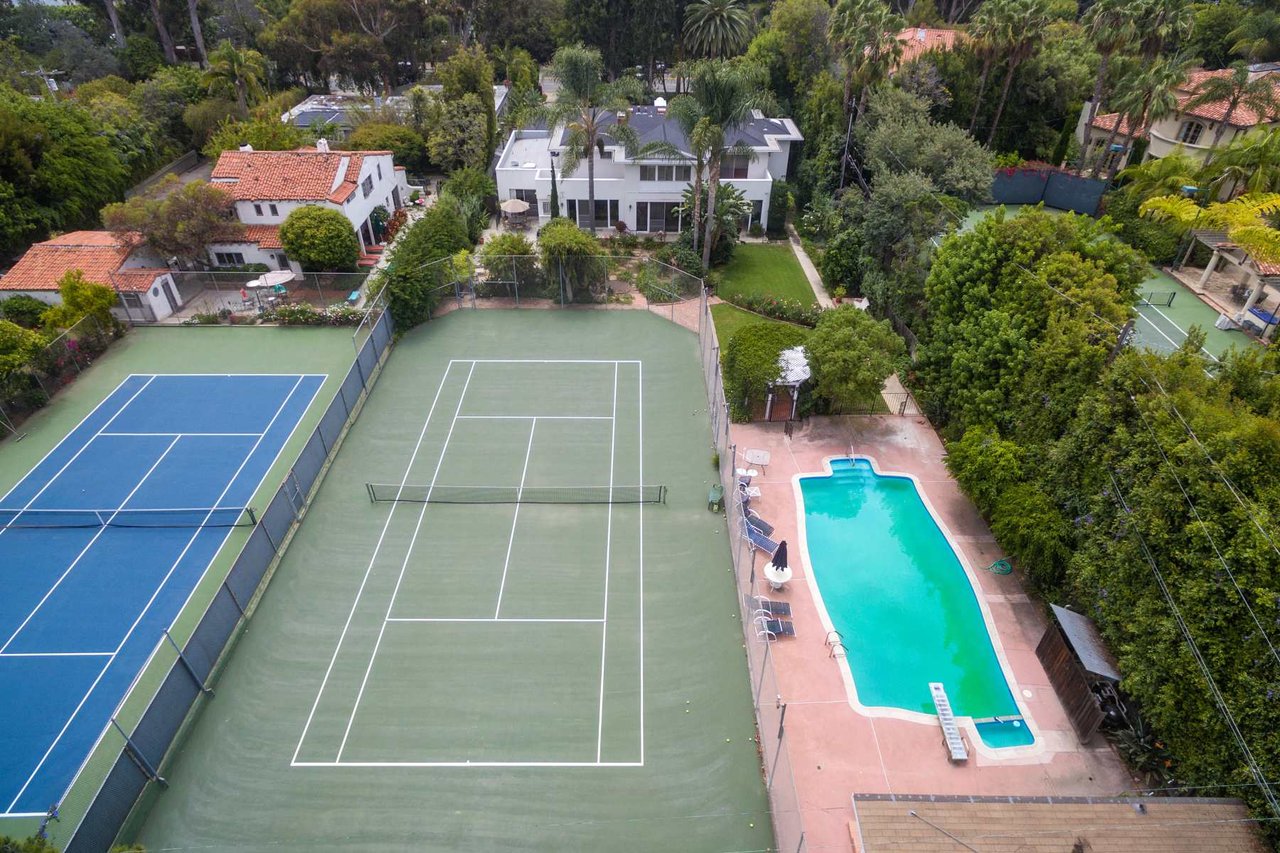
(715, 498)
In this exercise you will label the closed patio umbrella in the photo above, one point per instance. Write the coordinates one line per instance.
(776, 571)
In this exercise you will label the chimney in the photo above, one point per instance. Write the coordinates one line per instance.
(322, 145)
(246, 147)
(660, 104)
(921, 35)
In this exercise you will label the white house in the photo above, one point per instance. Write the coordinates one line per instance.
(1191, 127)
(269, 185)
(645, 193)
(144, 284)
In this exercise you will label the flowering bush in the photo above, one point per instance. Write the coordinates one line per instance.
(303, 314)
(790, 310)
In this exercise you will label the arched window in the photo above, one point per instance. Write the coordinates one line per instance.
(1190, 132)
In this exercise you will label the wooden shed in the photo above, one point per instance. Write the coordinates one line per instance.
(1075, 659)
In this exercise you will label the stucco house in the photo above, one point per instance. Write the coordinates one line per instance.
(144, 283)
(269, 185)
(645, 193)
(1191, 127)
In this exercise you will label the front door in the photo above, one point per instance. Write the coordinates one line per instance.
(172, 298)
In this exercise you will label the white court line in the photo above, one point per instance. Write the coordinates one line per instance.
(241, 375)
(165, 579)
(544, 361)
(515, 518)
(534, 417)
(1176, 326)
(640, 420)
(97, 535)
(608, 547)
(56, 654)
(467, 764)
(413, 540)
(481, 619)
(76, 455)
(186, 434)
(377, 548)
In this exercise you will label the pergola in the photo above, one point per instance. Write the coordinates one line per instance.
(793, 367)
(1255, 274)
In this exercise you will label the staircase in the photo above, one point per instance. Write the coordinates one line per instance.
(950, 730)
(370, 256)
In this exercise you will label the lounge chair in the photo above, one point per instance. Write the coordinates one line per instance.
(758, 541)
(761, 606)
(757, 522)
(772, 629)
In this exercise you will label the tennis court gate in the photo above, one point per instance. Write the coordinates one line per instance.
(770, 709)
(144, 737)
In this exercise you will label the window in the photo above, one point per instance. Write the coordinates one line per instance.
(1190, 132)
(367, 186)
(757, 210)
(655, 216)
(606, 212)
(229, 259)
(283, 261)
(606, 155)
(275, 211)
(684, 173)
(379, 165)
(735, 167)
(546, 207)
(257, 208)
(665, 173)
(130, 300)
(531, 196)
(648, 173)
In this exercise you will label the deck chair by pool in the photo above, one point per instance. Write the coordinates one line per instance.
(757, 522)
(748, 492)
(761, 606)
(772, 629)
(758, 541)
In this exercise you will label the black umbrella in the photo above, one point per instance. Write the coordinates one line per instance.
(780, 556)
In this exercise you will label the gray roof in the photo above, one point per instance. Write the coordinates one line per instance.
(651, 127)
(311, 118)
(1084, 638)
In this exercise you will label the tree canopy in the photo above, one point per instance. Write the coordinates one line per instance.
(320, 238)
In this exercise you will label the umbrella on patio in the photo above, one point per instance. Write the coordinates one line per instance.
(776, 571)
(515, 205)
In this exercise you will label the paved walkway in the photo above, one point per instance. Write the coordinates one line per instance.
(810, 271)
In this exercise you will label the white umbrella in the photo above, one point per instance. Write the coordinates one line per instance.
(515, 205)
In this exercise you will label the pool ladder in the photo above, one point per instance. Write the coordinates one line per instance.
(835, 645)
(950, 729)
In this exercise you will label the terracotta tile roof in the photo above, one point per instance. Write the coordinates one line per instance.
(1035, 825)
(266, 236)
(1214, 111)
(917, 41)
(1267, 269)
(302, 175)
(1106, 121)
(94, 253)
(137, 279)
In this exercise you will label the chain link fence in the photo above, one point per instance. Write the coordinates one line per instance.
(766, 694)
(185, 663)
(28, 388)
(230, 296)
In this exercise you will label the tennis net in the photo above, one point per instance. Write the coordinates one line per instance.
(648, 494)
(1161, 298)
(17, 518)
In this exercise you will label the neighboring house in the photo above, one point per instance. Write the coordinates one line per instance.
(1191, 127)
(269, 185)
(340, 113)
(917, 41)
(145, 286)
(645, 193)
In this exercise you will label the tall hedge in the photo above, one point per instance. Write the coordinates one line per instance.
(750, 363)
(417, 274)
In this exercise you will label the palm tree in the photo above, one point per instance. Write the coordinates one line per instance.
(1251, 161)
(988, 34)
(586, 107)
(1025, 27)
(1244, 219)
(697, 129)
(726, 95)
(865, 35)
(240, 72)
(1157, 84)
(1258, 35)
(717, 28)
(1110, 26)
(1235, 90)
(1159, 23)
(1165, 175)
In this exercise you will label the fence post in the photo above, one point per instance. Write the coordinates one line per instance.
(131, 749)
(182, 658)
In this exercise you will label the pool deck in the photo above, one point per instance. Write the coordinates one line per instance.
(835, 750)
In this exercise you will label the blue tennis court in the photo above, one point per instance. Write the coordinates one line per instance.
(102, 543)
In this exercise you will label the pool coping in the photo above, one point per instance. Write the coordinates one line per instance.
(1039, 746)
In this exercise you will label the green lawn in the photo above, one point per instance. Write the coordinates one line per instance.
(759, 268)
(729, 319)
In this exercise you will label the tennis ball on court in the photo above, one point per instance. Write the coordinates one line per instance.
(686, 710)
(751, 825)
(726, 740)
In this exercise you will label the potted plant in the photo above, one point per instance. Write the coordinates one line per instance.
(838, 293)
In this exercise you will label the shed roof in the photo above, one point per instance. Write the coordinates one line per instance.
(1084, 638)
(97, 254)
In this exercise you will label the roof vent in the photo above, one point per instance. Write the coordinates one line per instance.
(921, 34)
(322, 145)
(246, 147)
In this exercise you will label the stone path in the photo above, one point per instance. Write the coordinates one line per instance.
(810, 271)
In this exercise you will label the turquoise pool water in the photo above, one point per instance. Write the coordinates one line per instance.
(896, 591)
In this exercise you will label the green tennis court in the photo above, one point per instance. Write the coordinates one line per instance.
(554, 662)
(1162, 324)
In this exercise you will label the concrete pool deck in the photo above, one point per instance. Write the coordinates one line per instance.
(834, 750)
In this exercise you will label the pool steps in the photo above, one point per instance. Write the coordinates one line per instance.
(950, 729)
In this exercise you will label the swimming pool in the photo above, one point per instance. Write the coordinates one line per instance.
(894, 587)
